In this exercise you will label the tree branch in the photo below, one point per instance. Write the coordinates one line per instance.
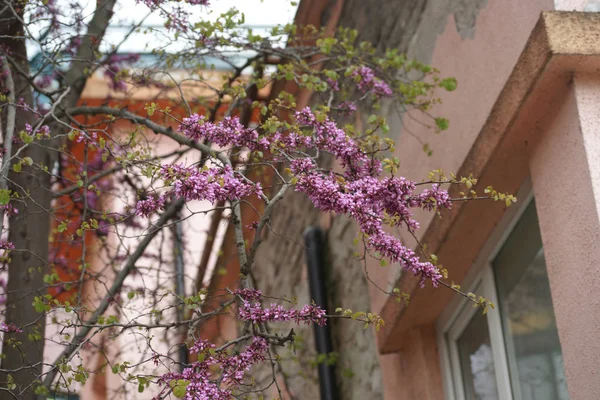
(10, 128)
(77, 341)
(156, 128)
(76, 76)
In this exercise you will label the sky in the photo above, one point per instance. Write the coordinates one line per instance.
(258, 13)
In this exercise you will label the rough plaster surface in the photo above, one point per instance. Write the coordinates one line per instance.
(280, 264)
(359, 373)
(465, 16)
(575, 5)
(568, 154)
(385, 23)
(434, 20)
(280, 271)
(474, 41)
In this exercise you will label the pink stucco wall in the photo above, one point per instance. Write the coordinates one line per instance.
(565, 170)
(482, 65)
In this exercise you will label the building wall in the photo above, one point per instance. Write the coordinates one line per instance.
(150, 281)
(565, 159)
(478, 43)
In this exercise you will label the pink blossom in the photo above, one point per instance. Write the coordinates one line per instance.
(251, 310)
(368, 82)
(6, 328)
(360, 191)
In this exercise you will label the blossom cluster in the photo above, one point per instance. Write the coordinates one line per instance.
(366, 196)
(191, 183)
(6, 245)
(115, 66)
(368, 82)
(228, 132)
(44, 130)
(156, 3)
(252, 310)
(45, 81)
(9, 210)
(374, 200)
(215, 370)
(7, 328)
(175, 13)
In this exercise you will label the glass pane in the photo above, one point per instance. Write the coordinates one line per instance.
(532, 345)
(476, 361)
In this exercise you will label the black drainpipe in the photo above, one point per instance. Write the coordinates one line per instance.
(314, 239)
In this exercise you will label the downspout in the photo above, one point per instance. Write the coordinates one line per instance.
(314, 239)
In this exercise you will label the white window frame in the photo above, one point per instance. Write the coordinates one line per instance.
(453, 321)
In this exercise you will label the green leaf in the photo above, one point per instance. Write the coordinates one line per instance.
(150, 108)
(180, 388)
(62, 227)
(39, 306)
(358, 314)
(80, 377)
(11, 385)
(41, 390)
(442, 123)
(4, 197)
(17, 167)
(28, 161)
(449, 84)
(25, 137)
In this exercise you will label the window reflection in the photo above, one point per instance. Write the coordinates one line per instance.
(525, 305)
(477, 363)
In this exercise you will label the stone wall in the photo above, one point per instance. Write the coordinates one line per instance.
(411, 26)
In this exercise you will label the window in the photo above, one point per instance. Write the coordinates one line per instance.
(513, 352)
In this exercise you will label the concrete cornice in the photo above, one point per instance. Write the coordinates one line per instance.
(560, 45)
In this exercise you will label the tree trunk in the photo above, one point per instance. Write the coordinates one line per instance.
(22, 353)
(29, 230)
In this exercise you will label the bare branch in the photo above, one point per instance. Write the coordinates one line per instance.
(166, 131)
(10, 128)
(77, 341)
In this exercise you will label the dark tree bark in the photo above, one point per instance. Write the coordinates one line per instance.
(29, 230)
(22, 353)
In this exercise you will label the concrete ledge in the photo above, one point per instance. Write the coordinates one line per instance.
(561, 44)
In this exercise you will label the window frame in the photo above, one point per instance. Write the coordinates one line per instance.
(455, 318)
